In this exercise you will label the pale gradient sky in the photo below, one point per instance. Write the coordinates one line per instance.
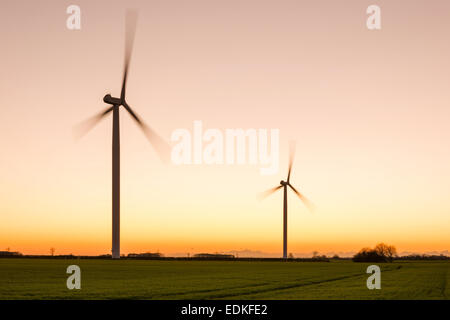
(369, 111)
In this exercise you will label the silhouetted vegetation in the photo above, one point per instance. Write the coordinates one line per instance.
(317, 257)
(145, 255)
(381, 253)
(423, 257)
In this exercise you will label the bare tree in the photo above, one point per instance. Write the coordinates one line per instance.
(382, 252)
(382, 249)
(391, 252)
(52, 251)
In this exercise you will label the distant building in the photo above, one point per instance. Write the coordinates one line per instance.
(214, 256)
(9, 254)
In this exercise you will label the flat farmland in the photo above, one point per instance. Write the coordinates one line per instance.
(173, 280)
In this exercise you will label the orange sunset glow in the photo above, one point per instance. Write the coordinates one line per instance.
(369, 111)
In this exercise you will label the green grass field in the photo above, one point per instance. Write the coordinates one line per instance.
(153, 279)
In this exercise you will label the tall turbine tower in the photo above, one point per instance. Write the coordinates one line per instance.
(158, 143)
(285, 185)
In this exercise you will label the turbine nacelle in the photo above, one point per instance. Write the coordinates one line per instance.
(283, 183)
(111, 100)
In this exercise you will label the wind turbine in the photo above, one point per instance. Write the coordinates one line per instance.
(285, 185)
(157, 142)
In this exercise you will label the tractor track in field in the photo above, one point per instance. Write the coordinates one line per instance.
(284, 287)
(209, 290)
(291, 286)
(252, 291)
(254, 286)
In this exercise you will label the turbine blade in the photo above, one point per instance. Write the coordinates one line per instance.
(305, 200)
(291, 159)
(84, 127)
(130, 30)
(160, 145)
(267, 193)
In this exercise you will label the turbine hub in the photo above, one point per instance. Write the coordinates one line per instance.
(111, 100)
(283, 183)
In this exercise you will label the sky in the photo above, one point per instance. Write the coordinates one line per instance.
(368, 109)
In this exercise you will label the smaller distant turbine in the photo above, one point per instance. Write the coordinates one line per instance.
(284, 185)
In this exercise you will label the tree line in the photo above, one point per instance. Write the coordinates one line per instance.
(381, 253)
